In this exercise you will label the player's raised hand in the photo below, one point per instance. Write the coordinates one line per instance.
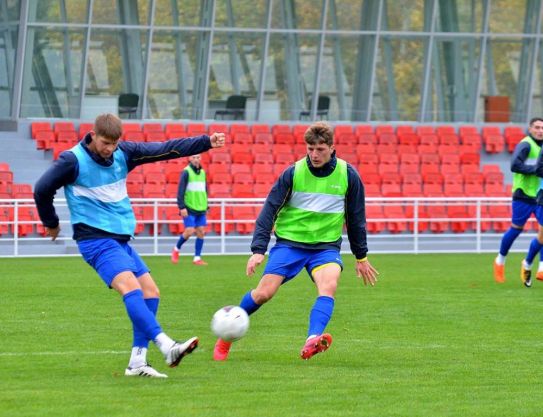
(367, 272)
(253, 262)
(217, 140)
(52, 232)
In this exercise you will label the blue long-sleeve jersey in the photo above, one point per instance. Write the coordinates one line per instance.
(355, 212)
(65, 170)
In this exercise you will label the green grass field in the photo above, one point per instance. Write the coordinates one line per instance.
(435, 337)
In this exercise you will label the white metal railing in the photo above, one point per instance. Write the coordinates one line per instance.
(414, 229)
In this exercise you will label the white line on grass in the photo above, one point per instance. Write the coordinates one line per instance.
(69, 353)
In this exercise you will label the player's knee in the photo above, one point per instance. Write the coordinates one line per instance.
(262, 295)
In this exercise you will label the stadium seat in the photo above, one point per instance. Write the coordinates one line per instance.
(281, 128)
(374, 219)
(345, 139)
(425, 130)
(175, 130)
(405, 129)
(263, 138)
(242, 158)
(362, 129)
(152, 127)
(217, 190)
(384, 129)
(220, 158)
(36, 127)
(134, 136)
(260, 128)
(263, 158)
(341, 129)
(236, 168)
(387, 139)
(218, 127)
(395, 213)
(45, 139)
(449, 139)
(239, 128)
(494, 143)
(83, 129)
(283, 138)
(429, 140)
(196, 129)
(445, 130)
(408, 139)
(242, 138)
(367, 138)
(244, 213)
(155, 136)
(242, 190)
(261, 190)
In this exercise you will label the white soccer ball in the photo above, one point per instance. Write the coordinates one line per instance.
(230, 323)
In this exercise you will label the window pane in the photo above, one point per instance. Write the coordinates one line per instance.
(501, 75)
(52, 11)
(8, 48)
(171, 75)
(338, 74)
(304, 14)
(178, 13)
(507, 16)
(109, 12)
(403, 15)
(398, 79)
(52, 76)
(243, 13)
(290, 75)
(453, 76)
(344, 15)
(459, 16)
(537, 88)
(235, 69)
(115, 65)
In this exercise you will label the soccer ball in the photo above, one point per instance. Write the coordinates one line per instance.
(230, 323)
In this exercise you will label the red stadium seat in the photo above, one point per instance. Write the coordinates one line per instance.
(152, 127)
(260, 128)
(36, 127)
(84, 128)
(425, 130)
(175, 130)
(263, 137)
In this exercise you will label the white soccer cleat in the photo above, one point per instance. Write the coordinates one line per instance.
(145, 370)
(180, 350)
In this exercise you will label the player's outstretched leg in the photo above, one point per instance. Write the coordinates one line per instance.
(179, 350)
(315, 344)
(222, 348)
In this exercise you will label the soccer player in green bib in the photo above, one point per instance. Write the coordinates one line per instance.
(307, 207)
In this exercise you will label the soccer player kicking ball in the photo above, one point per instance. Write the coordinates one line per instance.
(93, 174)
(308, 205)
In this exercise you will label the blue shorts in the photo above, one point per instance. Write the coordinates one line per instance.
(109, 258)
(195, 220)
(288, 261)
(521, 212)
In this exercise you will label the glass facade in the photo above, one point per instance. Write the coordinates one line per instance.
(375, 60)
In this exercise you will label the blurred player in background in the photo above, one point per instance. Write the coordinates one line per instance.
(525, 188)
(93, 174)
(308, 206)
(192, 203)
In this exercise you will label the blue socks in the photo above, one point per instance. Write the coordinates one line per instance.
(141, 316)
(535, 247)
(248, 304)
(139, 336)
(198, 246)
(320, 315)
(508, 239)
(180, 242)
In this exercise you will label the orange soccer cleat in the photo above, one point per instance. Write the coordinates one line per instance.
(316, 344)
(199, 262)
(499, 272)
(539, 276)
(175, 256)
(222, 348)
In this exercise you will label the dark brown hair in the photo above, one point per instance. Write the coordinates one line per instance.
(319, 132)
(535, 119)
(108, 126)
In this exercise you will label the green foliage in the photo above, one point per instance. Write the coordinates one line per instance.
(435, 337)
